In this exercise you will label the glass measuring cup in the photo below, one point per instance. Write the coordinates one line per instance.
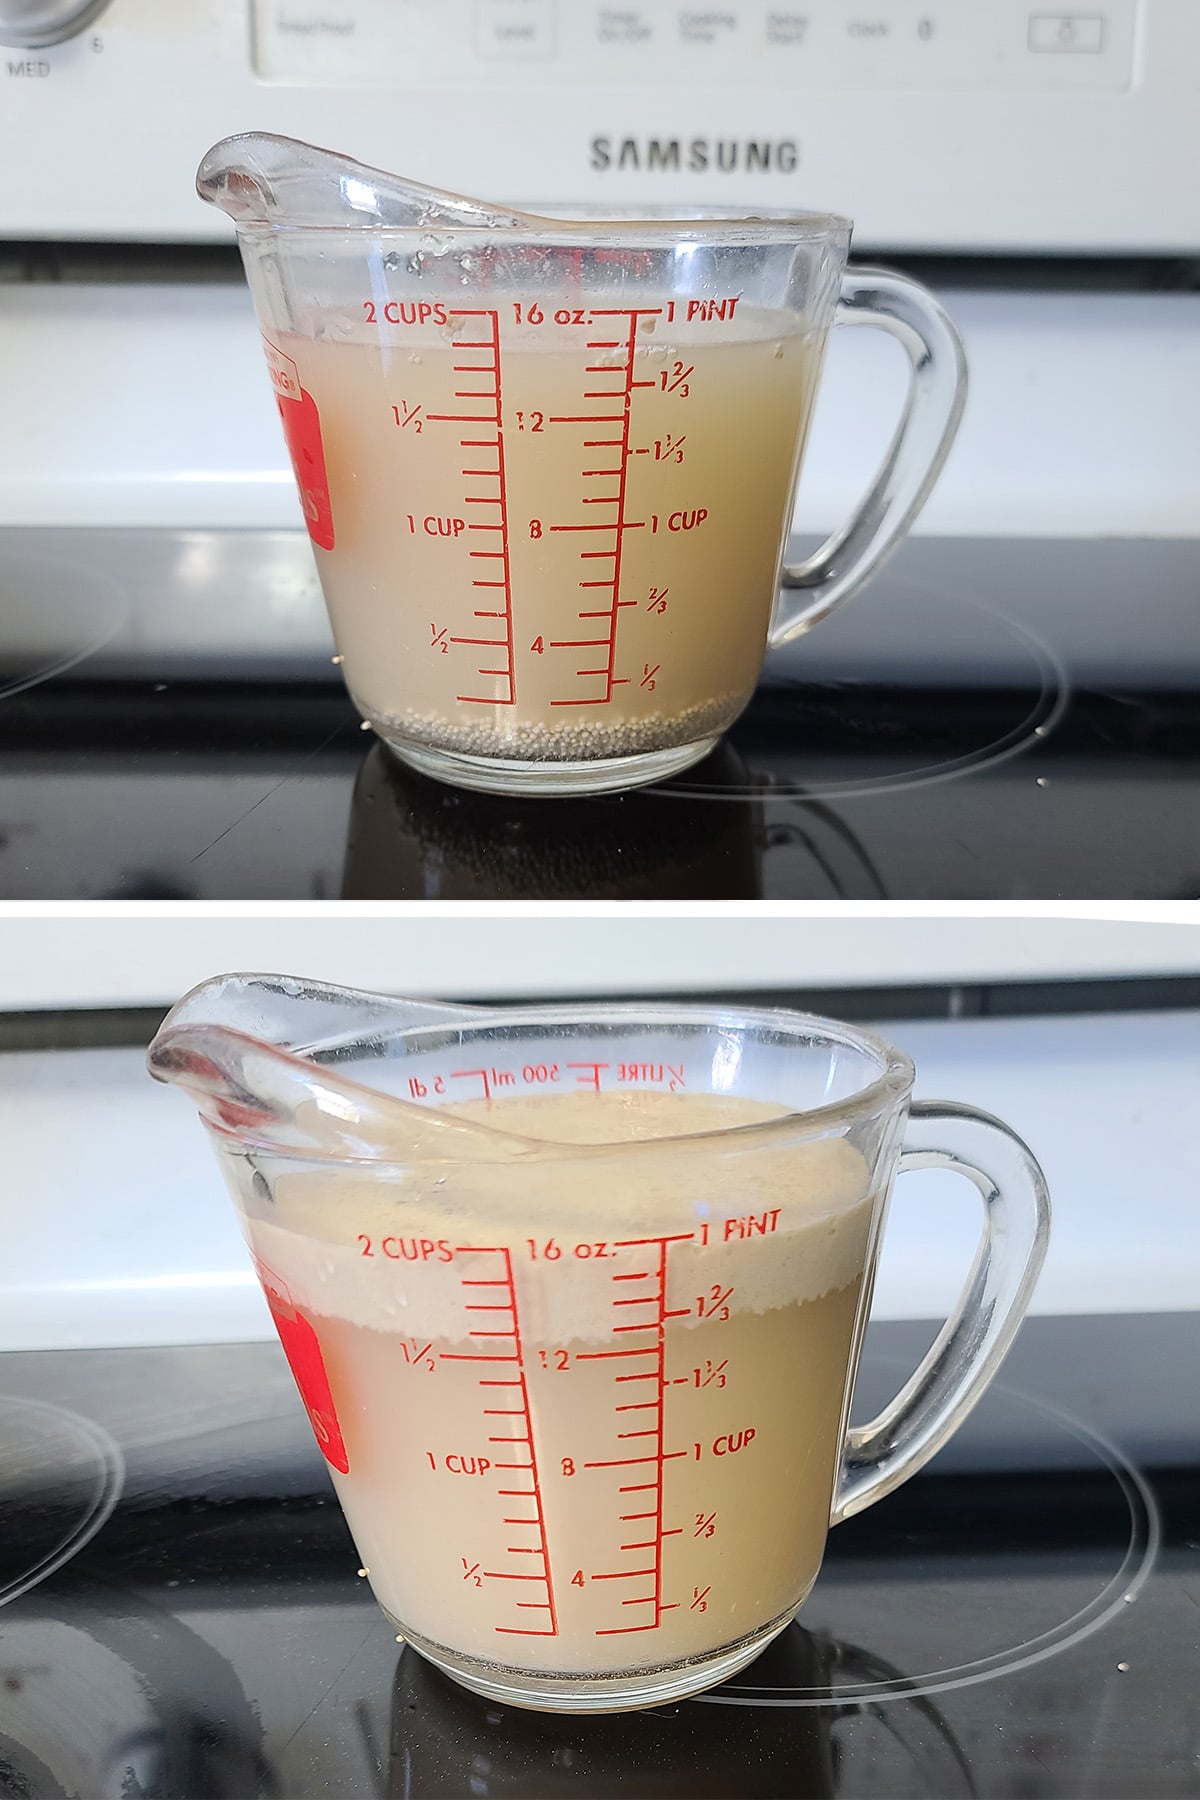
(574, 1299)
(548, 465)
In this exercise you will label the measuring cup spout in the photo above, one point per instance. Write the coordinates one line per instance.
(259, 1056)
(261, 179)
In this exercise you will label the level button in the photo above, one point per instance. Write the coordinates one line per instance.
(517, 30)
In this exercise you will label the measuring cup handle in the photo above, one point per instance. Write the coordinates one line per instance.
(937, 392)
(971, 1345)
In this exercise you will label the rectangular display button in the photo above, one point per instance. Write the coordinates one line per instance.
(516, 30)
(1067, 34)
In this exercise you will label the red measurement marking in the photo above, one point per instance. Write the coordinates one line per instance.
(678, 1237)
(591, 1080)
(540, 1549)
(657, 603)
(648, 675)
(658, 1458)
(700, 1599)
(672, 379)
(706, 1524)
(621, 1462)
(468, 1573)
(439, 640)
(713, 1302)
(619, 524)
(507, 672)
(710, 1372)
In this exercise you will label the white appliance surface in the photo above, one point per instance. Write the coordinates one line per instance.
(114, 1174)
(1006, 124)
(999, 126)
(133, 956)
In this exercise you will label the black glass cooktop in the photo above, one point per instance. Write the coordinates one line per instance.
(988, 720)
(181, 1617)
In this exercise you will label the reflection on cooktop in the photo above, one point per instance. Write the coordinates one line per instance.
(931, 741)
(1008, 1632)
(62, 1475)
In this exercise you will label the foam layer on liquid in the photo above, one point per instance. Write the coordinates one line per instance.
(390, 1250)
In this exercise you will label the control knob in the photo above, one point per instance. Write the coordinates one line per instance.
(29, 24)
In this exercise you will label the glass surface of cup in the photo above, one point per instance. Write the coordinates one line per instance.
(547, 464)
(574, 1299)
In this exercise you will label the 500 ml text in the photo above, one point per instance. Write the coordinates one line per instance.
(778, 156)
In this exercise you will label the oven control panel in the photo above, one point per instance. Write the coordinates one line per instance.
(1007, 125)
(662, 46)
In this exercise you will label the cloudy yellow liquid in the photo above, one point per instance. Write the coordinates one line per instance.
(482, 596)
(591, 1412)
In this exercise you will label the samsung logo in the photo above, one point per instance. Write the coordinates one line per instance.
(749, 156)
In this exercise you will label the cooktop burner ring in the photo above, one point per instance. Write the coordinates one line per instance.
(86, 610)
(1049, 696)
(65, 1468)
(1118, 1592)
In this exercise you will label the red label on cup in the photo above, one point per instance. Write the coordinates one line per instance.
(302, 432)
(302, 1348)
